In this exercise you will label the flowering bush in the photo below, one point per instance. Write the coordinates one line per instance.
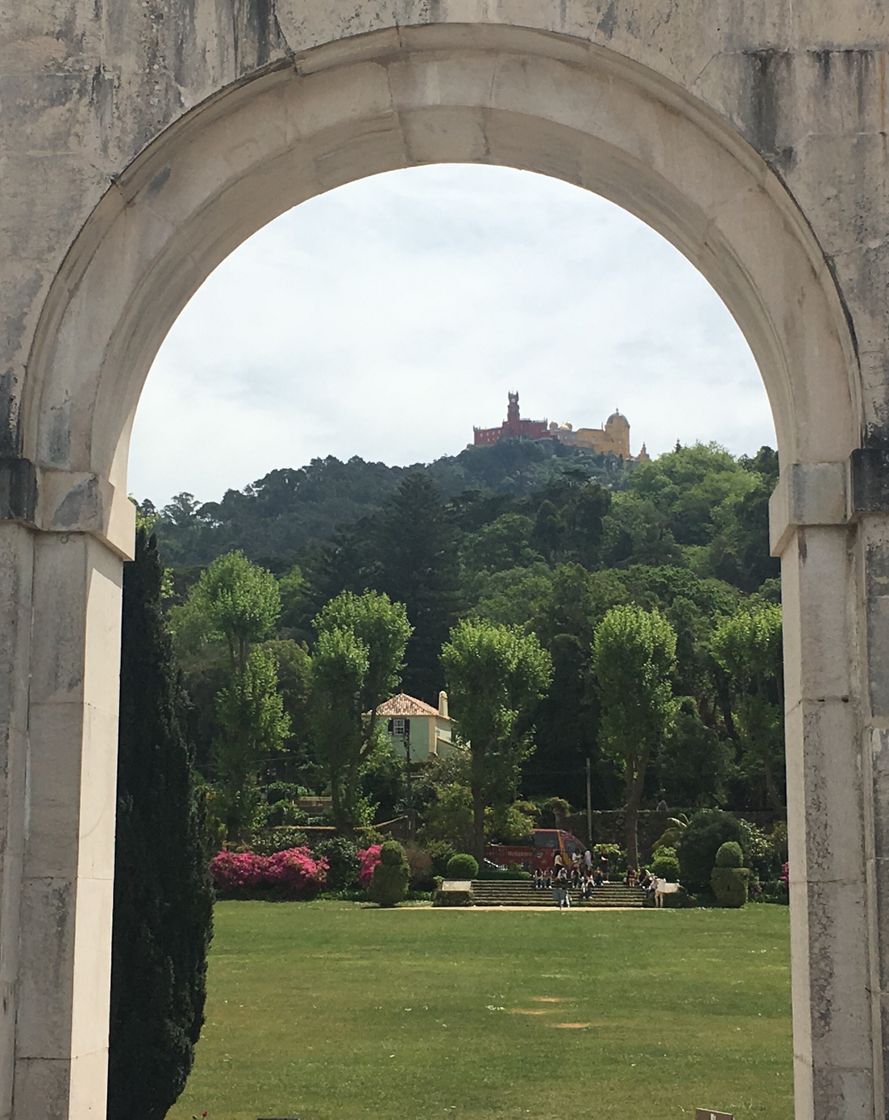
(234, 872)
(785, 874)
(294, 873)
(368, 858)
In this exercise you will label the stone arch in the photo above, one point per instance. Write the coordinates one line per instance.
(507, 96)
(395, 97)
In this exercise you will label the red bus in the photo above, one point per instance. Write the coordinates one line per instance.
(540, 853)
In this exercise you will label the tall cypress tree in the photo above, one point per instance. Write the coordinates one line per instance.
(163, 897)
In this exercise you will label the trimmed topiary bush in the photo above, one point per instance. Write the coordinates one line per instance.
(729, 854)
(666, 865)
(462, 866)
(707, 831)
(729, 885)
(390, 877)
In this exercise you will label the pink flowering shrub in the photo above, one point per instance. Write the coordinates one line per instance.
(294, 873)
(368, 858)
(236, 872)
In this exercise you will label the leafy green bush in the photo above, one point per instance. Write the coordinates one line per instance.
(390, 878)
(671, 835)
(440, 851)
(614, 853)
(773, 890)
(729, 854)
(280, 806)
(669, 838)
(666, 865)
(272, 840)
(285, 812)
(421, 866)
(555, 813)
(778, 841)
(462, 866)
(729, 885)
(284, 791)
(678, 900)
(707, 831)
(510, 824)
(342, 859)
(759, 851)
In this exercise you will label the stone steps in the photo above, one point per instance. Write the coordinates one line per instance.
(498, 892)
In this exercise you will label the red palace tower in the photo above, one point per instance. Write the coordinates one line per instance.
(513, 427)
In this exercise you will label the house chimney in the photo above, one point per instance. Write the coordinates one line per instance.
(443, 704)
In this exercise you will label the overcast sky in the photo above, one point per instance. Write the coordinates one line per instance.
(385, 318)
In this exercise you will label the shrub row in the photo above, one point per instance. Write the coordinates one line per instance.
(294, 873)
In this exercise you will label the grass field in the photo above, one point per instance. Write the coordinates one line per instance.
(331, 1011)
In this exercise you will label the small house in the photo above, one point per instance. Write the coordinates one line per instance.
(417, 727)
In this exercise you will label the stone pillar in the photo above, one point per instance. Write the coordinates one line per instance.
(833, 918)
(62, 584)
(869, 494)
(16, 562)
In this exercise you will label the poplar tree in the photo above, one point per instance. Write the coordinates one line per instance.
(356, 665)
(237, 603)
(634, 658)
(496, 676)
(747, 647)
(162, 892)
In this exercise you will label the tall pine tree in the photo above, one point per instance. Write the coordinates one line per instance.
(418, 567)
(163, 897)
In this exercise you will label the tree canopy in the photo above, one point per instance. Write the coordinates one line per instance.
(356, 663)
(531, 536)
(634, 658)
(496, 675)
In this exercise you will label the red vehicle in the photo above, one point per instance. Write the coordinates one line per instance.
(541, 853)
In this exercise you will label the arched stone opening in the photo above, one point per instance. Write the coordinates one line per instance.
(492, 95)
(375, 102)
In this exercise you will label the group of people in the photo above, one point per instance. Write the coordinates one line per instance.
(561, 880)
(583, 875)
(642, 878)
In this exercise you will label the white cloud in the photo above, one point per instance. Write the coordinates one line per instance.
(385, 318)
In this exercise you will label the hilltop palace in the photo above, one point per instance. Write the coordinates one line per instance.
(613, 438)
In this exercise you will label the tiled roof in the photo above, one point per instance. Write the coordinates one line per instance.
(404, 705)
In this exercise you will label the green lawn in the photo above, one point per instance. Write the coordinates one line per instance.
(332, 1011)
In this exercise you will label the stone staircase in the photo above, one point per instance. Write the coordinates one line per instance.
(502, 892)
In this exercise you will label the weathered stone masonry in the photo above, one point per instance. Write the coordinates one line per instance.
(140, 143)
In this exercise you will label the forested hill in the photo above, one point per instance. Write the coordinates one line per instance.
(540, 538)
(276, 518)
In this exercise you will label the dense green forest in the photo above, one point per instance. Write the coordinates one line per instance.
(532, 536)
(288, 511)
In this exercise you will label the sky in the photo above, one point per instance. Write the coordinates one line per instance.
(387, 317)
